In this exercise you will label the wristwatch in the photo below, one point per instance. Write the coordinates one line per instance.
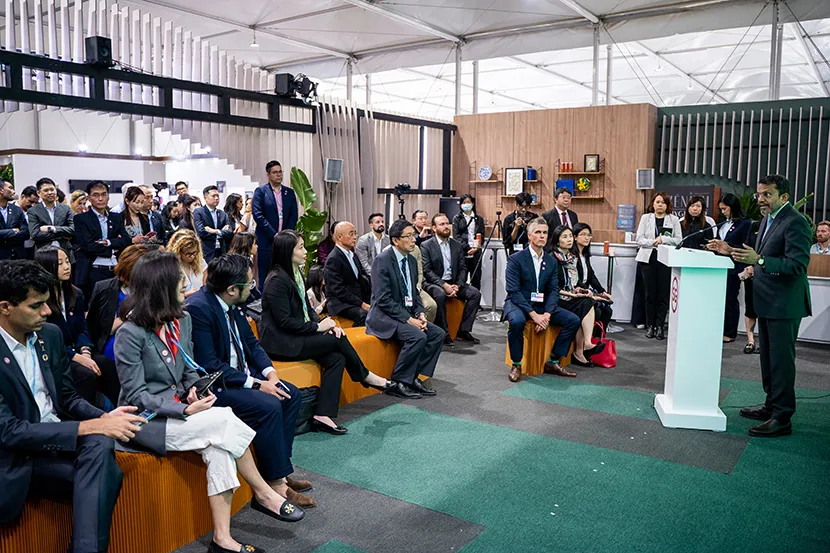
(761, 261)
(256, 385)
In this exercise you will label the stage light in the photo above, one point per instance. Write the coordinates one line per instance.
(82, 147)
(139, 151)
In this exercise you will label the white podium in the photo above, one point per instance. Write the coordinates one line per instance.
(693, 360)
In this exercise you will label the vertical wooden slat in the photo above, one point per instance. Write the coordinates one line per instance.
(146, 60)
(167, 64)
(214, 101)
(11, 42)
(739, 172)
(663, 146)
(177, 74)
(723, 145)
(749, 150)
(65, 52)
(789, 141)
(818, 161)
(688, 143)
(78, 47)
(26, 48)
(102, 18)
(671, 144)
(156, 55)
(697, 140)
(52, 22)
(40, 76)
(91, 19)
(196, 99)
(731, 144)
(797, 156)
(760, 144)
(124, 49)
(224, 130)
(714, 142)
(769, 144)
(187, 74)
(679, 144)
(115, 36)
(778, 144)
(705, 142)
(135, 54)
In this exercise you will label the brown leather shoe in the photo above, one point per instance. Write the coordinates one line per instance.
(554, 368)
(298, 485)
(300, 500)
(515, 372)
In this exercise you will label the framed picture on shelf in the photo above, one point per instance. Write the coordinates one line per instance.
(514, 180)
(592, 163)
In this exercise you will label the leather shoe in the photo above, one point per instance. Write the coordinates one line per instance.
(448, 341)
(298, 485)
(246, 548)
(389, 384)
(401, 390)
(661, 334)
(515, 372)
(554, 368)
(596, 350)
(421, 388)
(759, 413)
(301, 500)
(468, 337)
(771, 429)
(578, 363)
(288, 511)
(317, 426)
(650, 332)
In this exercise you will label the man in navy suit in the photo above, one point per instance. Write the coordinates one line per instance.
(212, 225)
(274, 208)
(251, 386)
(14, 228)
(156, 223)
(533, 294)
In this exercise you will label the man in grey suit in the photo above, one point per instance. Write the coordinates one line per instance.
(372, 243)
(781, 293)
(50, 222)
(397, 312)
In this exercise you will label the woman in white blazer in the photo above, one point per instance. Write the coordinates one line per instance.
(657, 226)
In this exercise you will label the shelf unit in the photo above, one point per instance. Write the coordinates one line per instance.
(531, 186)
(597, 190)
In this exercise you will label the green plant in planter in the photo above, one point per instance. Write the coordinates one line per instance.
(750, 205)
(310, 225)
(801, 203)
(7, 173)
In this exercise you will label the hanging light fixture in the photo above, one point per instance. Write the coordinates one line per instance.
(254, 43)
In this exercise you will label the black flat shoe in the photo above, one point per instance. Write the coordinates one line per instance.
(749, 348)
(578, 363)
(448, 341)
(288, 511)
(468, 337)
(419, 387)
(661, 334)
(650, 332)
(401, 390)
(246, 548)
(317, 426)
(771, 429)
(389, 384)
(597, 349)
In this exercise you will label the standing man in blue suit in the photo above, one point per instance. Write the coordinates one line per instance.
(275, 208)
(14, 228)
(212, 225)
(533, 295)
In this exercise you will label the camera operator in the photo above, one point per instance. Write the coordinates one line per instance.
(515, 231)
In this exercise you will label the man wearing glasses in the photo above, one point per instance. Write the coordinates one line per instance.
(781, 294)
(514, 236)
(397, 311)
(250, 386)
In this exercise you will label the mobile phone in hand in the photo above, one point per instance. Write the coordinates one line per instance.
(147, 415)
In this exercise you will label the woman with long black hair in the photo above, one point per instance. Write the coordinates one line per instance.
(695, 223)
(233, 207)
(136, 222)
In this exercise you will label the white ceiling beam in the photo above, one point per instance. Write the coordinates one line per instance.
(565, 78)
(493, 92)
(579, 9)
(796, 32)
(405, 19)
(663, 61)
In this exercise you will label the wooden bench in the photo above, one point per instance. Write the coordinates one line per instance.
(455, 309)
(163, 505)
(537, 348)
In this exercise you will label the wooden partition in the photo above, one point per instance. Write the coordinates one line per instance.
(623, 136)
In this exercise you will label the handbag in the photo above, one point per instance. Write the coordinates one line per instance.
(308, 401)
(607, 358)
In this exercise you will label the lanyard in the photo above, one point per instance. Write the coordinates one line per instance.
(236, 339)
(187, 359)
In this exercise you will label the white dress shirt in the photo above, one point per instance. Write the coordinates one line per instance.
(5, 212)
(51, 213)
(26, 357)
(537, 264)
(233, 360)
(104, 261)
(378, 243)
(559, 215)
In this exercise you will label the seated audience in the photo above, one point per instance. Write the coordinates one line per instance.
(251, 385)
(157, 231)
(212, 225)
(561, 214)
(327, 245)
(14, 228)
(181, 189)
(188, 248)
(515, 224)
(532, 287)
(445, 273)
(245, 243)
(468, 230)
(397, 312)
(154, 357)
(233, 209)
(316, 288)
(421, 221)
(78, 202)
(348, 287)
(430, 307)
(50, 222)
(822, 245)
(372, 243)
(52, 438)
(588, 278)
(189, 205)
(292, 331)
(694, 224)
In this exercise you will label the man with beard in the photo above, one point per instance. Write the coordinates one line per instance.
(372, 243)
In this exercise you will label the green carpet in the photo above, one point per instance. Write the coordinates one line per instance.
(335, 546)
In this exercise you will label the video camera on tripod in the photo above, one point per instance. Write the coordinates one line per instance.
(399, 191)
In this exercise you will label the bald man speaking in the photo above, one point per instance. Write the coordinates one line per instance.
(348, 288)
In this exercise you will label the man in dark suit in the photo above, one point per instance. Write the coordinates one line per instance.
(153, 216)
(348, 289)
(212, 225)
(397, 312)
(445, 276)
(52, 439)
(251, 385)
(14, 229)
(781, 294)
(28, 198)
(51, 222)
(532, 286)
(274, 207)
(100, 236)
(561, 213)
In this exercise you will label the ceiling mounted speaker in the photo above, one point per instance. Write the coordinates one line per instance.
(645, 179)
(334, 170)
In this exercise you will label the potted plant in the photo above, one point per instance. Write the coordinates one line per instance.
(310, 225)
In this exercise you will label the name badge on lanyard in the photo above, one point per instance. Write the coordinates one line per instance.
(408, 301)
(537, 297)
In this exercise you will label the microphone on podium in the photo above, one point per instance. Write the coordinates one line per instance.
(701, 231)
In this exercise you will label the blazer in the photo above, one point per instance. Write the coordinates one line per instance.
(73, 328)
(22, 432)
(589, 280)
(433, 262)
(11, 241)
(520, 282)
(737, 236)
(88, 232)
(151, 378)
(389, 295)
(64, 225)
(210, 331)
(103, 309)
(554, 220)
(459, 229)
(264, 208)
(282, 316)
(157, 225)
(697, 241)
(365, 250)
(646, 234)
(343, 288)
(780, 288)
(203, 220)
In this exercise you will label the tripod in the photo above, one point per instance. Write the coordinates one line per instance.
(493, 316)
(401, 203)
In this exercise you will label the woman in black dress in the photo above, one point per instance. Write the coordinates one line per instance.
(694, 222)
(588, 278)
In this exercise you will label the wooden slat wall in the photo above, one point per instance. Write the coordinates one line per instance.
(624, 135)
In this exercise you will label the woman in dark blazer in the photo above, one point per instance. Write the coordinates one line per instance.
(465, 226)
(734, 229)
(587, 277)
(292, 331)
(694, 224)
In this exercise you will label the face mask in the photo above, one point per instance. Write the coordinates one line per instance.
(466, 208)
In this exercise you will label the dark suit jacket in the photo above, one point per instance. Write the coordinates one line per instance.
(389, 294)
(282, 316)
(696, 242)
(780, 288)
(21, 432)
(554, 220)
(737, 236)
(343, 288)
(11, 242)
(210, 332)
(64, 225)
(589, 280)
(73, 327)
(520, 282)
(202, 220)
(88, 232)
(264, 208)
(157, 226)
(103, 308)
(459, 229)
(433, 262)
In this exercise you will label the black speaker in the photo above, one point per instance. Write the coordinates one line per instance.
(99, 51)
(284, 84)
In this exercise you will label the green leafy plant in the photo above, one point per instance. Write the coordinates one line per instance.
(7, 173)
(750, 205)
(310, 225)
(801, 203)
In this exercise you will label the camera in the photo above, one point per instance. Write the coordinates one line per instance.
(159, 186)
(402, 188)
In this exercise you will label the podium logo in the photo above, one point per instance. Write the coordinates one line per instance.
(675, 294)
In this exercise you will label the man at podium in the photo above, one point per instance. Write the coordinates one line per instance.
(781, 294)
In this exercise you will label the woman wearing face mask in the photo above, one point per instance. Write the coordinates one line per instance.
(694, 222)
(466, 226)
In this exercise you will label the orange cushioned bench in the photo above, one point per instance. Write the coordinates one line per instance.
(537, 348)
(163, 505)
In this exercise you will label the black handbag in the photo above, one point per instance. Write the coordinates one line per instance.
(308, 401)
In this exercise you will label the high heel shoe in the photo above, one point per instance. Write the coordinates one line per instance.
(317, 426)
(389, 384)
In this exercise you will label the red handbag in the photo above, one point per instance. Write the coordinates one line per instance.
(608, 357)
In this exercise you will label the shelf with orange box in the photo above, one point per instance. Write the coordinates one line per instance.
(596, 178)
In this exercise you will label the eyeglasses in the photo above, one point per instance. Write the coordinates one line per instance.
(765, 195)
(252, 284)
(585, 235)
(408, 235)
